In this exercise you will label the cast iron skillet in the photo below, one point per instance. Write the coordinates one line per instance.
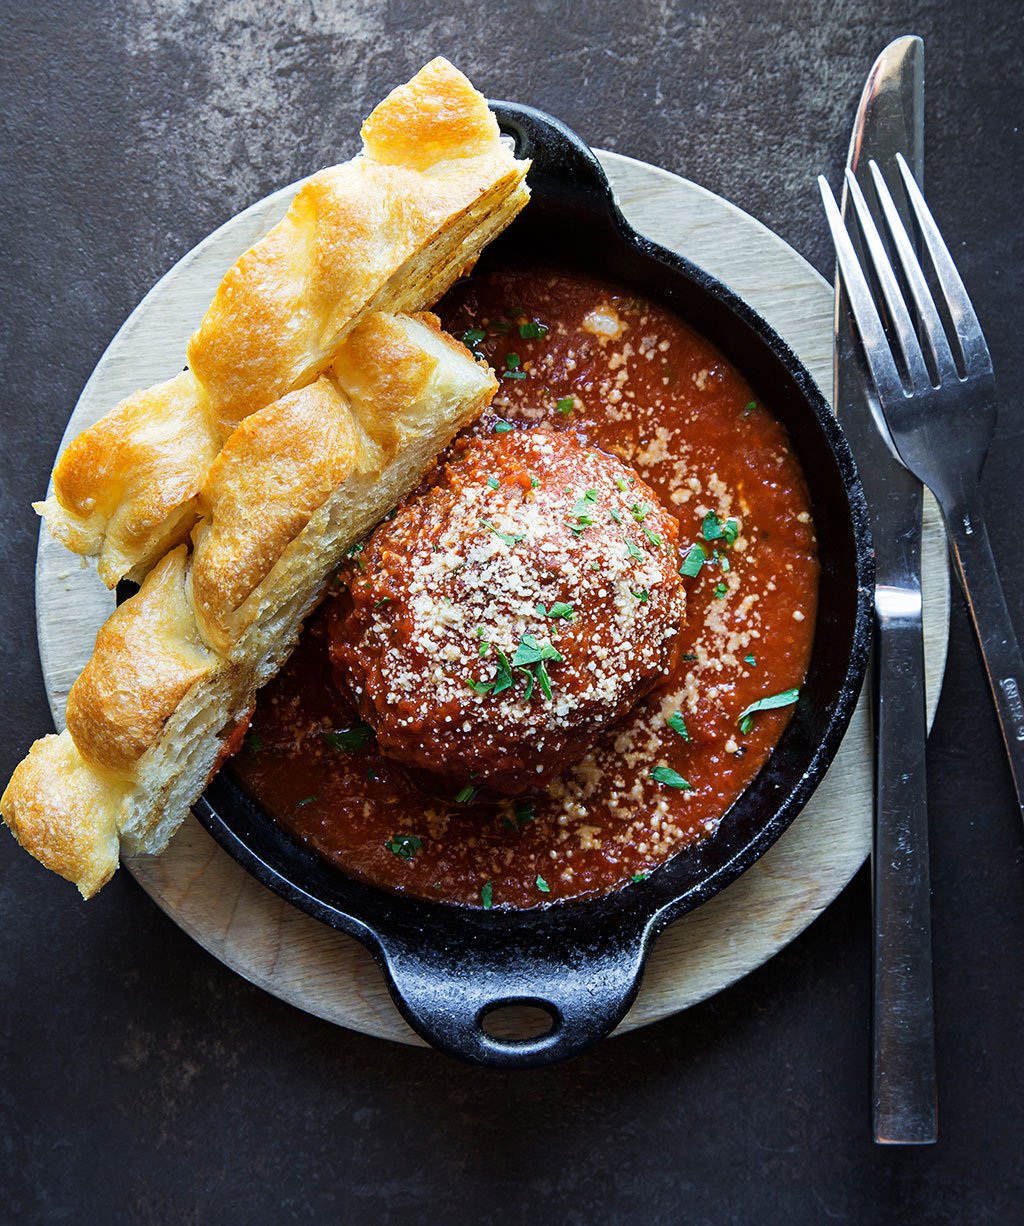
(447, 966)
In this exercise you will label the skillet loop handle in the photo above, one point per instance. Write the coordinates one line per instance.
(585, 983)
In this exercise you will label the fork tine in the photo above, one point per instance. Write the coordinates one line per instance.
(872, 335)
(902, 324)
(931, 324)
(965, 321)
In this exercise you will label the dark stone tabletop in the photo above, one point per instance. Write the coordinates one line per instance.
(140, 1080)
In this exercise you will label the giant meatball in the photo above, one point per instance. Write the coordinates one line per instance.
(507, 614)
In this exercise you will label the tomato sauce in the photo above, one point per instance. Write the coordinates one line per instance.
(629, 378)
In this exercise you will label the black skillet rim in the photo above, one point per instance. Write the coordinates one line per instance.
(432, 937)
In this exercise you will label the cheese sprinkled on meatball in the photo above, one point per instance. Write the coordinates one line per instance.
(506, 615)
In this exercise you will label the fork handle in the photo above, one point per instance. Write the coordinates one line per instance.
(903, 1063)
(979, 579)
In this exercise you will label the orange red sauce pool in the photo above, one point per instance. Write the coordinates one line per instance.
(634, 381)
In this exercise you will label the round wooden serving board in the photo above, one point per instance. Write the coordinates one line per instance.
(302, 961)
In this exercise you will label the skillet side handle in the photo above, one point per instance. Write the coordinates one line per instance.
(584, 982)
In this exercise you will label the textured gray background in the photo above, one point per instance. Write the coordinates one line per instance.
(140, 1081)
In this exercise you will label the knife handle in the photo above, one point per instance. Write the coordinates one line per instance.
(903, 1072)
(979, 579)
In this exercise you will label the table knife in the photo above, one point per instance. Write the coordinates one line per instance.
(890, 119)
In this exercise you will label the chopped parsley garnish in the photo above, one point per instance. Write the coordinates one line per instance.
(559, 610)
(639, 511)
(785, 699)
(473, 336)
(358, 547)
(466, 794)
(566, 404)
(530, 652)
(504, 678)
(542, 885)
(583, 507)
(688, 656)
(643, 595)
(693, 561)
(671, 778)
(525, 812)
(383, 601)
(749, 407)
(749, 660)
(349, 739)
(306, 800)
(493, 482)
(653, 537)
(633, 549)
(638, 877)
(253, 743)
(532, 331)
(405, 846)
(675, 722)
(622, 484)
(501, 426)
(512, 370)
(715, 530)
(614, 515)
(534, 483)
(721, 591)
(509, 538)
(487, 895)
(479, 687)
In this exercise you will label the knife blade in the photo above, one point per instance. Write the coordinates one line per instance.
(890, 119)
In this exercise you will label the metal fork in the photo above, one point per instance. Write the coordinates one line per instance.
(939, 407)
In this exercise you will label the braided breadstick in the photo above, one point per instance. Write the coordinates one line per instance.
(388, 231)
(167, 693)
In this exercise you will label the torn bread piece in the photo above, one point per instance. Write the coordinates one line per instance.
(389, 230)
(167, 694)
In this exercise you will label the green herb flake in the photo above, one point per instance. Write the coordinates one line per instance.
(566, 405)
(638, 877)
(749, 407)
(493, 482)
(534, 483)
(688, 656)
(771, 703)
(643, 595)
(501, 426)
(640, 511)
(504, 679)
(532, 331)
(653, 537)
(560, 610)
(466, 794)
(694, 560)
(633, 549)
(721, 591)
(749, 660)
(405, 846)
(614, 516)
(671, 778)
(509, 538)
(676, 723)
(253, 743)
(487, 895)
(479, 687)
(306, 800)
(622, 484)
(712, 527)
(530, 652)
(731, 530)
(350, 739)
(542, 885)
(525, 812)
(473, 336)
(383, 601)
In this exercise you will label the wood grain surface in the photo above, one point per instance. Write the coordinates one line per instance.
(329, 974)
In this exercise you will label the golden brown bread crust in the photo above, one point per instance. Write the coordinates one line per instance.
(177, 666)
(388, 231)
(65, 813)
(148, 655)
